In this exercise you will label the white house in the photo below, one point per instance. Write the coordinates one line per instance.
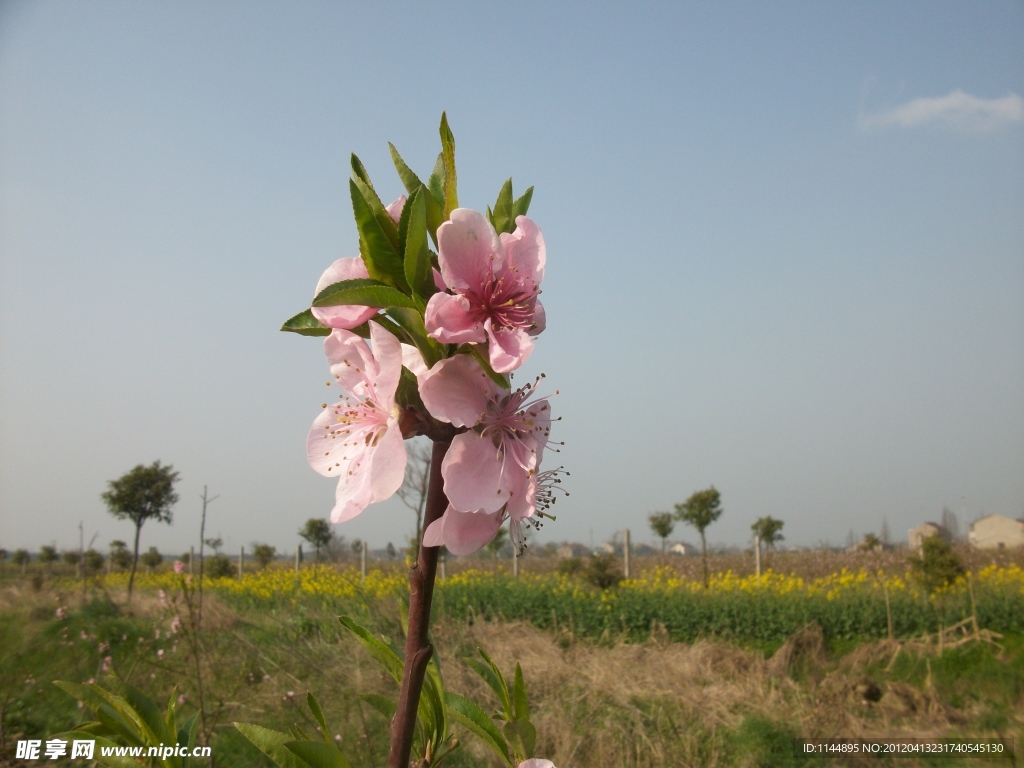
(923, 531)
(996, 532)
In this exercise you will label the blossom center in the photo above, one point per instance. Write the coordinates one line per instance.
(508, 300)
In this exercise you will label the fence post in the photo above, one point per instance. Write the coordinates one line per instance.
(362, 559)
(191, 559)
(441, 561)
(298, 558)
(241, 561)
(626, 555)
(757, 554)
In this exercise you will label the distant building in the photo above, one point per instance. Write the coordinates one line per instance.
(573, 550)
(996, 532)
(923, 531)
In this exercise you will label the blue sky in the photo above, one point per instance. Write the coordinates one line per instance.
(785, 250)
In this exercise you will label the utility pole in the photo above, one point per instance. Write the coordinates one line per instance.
(241, 562)
(626, 555)
(757, 554)
(362, 558)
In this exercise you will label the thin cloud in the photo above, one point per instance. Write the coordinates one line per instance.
(957, 110)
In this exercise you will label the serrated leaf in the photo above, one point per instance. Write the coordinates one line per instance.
(382, 704)
(488, 675)
(383, 655)
(137, 709)
(380, 213)
(363, 292)
(522, 737)
(476, 720)
(412, 231)
(318, 715)
(502, 689)
(501, 217)
(379, 251)
(435, 184)
(451, 197)
(318, 755)
(520, 706)
(271, 743)
(411, 322)
(522, 205)
(305, 324)
(434, 208)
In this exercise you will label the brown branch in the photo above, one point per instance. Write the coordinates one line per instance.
(421, 592)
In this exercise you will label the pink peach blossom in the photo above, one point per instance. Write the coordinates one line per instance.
(179, 567)
(359, 440)
(495, 281)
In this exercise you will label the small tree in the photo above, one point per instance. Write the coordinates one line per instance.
(152, 559)
(662, 523)
(120, 557)
(72, 557)
(700, 511)
(769, 530)
(93, 562)
(937, 566)
(870, 543)
(21, 558)
(495, 545)
(48, 556)
(317, 532)
(216, 544)
(264, 554)
(139, 495)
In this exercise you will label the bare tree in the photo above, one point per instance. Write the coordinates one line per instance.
(413, 492)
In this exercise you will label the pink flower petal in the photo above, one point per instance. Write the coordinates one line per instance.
(387, 467)
(413, 360)
(344, 315)
(395, 209)
(457, 390)
(540, 320)
(387, 351)
(472, 472)
(468, 249)
(525, 251)
(463, 533)
(509, 347)
(352, 363)
(448, 319)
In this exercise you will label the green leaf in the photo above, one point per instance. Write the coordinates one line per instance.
(502, 688)
(305, 324)
(146, 709)
(378, 247)
(187, 732)
(317, 755)
(271, 743)
(451, 197)
(382, 704)
(381, 653)
(476, 720)
(412, 323)
(364, 292)
(412, 231)
(318, 715)
(520, 707)
(434, 206)
(522, 736)
(380, 213)
(501, 217)
(435, 184)
(494, 682)
(522, 205)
